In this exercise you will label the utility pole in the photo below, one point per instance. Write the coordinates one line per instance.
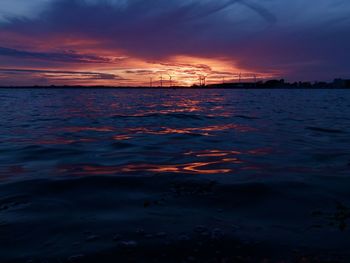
(151, 82)
(161, 81)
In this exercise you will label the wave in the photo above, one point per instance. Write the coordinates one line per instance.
(326, 130)
(166, 115)
(246, 117)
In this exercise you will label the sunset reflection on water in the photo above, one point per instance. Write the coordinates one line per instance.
(153, 133)
(136, 132)
(188, 168)
(207, 162)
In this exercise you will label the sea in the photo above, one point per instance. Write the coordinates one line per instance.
(79, 166)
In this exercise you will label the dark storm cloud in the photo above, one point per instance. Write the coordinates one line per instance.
(302, 38)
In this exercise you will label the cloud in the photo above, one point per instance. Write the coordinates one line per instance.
(140, 71)
(59, 74)
(259, 9)
(144, 28)
(21, 8)
(68, 56)
(302, 39)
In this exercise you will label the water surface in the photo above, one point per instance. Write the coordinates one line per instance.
(270, 167)
(46, 133)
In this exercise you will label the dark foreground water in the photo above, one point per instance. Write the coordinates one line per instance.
(245, 174)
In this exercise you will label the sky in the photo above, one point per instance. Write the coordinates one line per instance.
(146, 42)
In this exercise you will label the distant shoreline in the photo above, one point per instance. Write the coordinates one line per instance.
(174, 88)
(270, 84)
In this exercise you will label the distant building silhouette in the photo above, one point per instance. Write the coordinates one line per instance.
(341, 83)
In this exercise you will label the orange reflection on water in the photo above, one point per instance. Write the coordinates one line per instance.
(212, 161)
(222, 153)
(213, 153)
(236, 127)
(196, 168)
(187, 168)
(162, 131)
(204, 131)
(185, 107)
(121, 137)
(192, 168)
(178, 102)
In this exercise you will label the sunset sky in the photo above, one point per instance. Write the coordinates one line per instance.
(128, 42)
